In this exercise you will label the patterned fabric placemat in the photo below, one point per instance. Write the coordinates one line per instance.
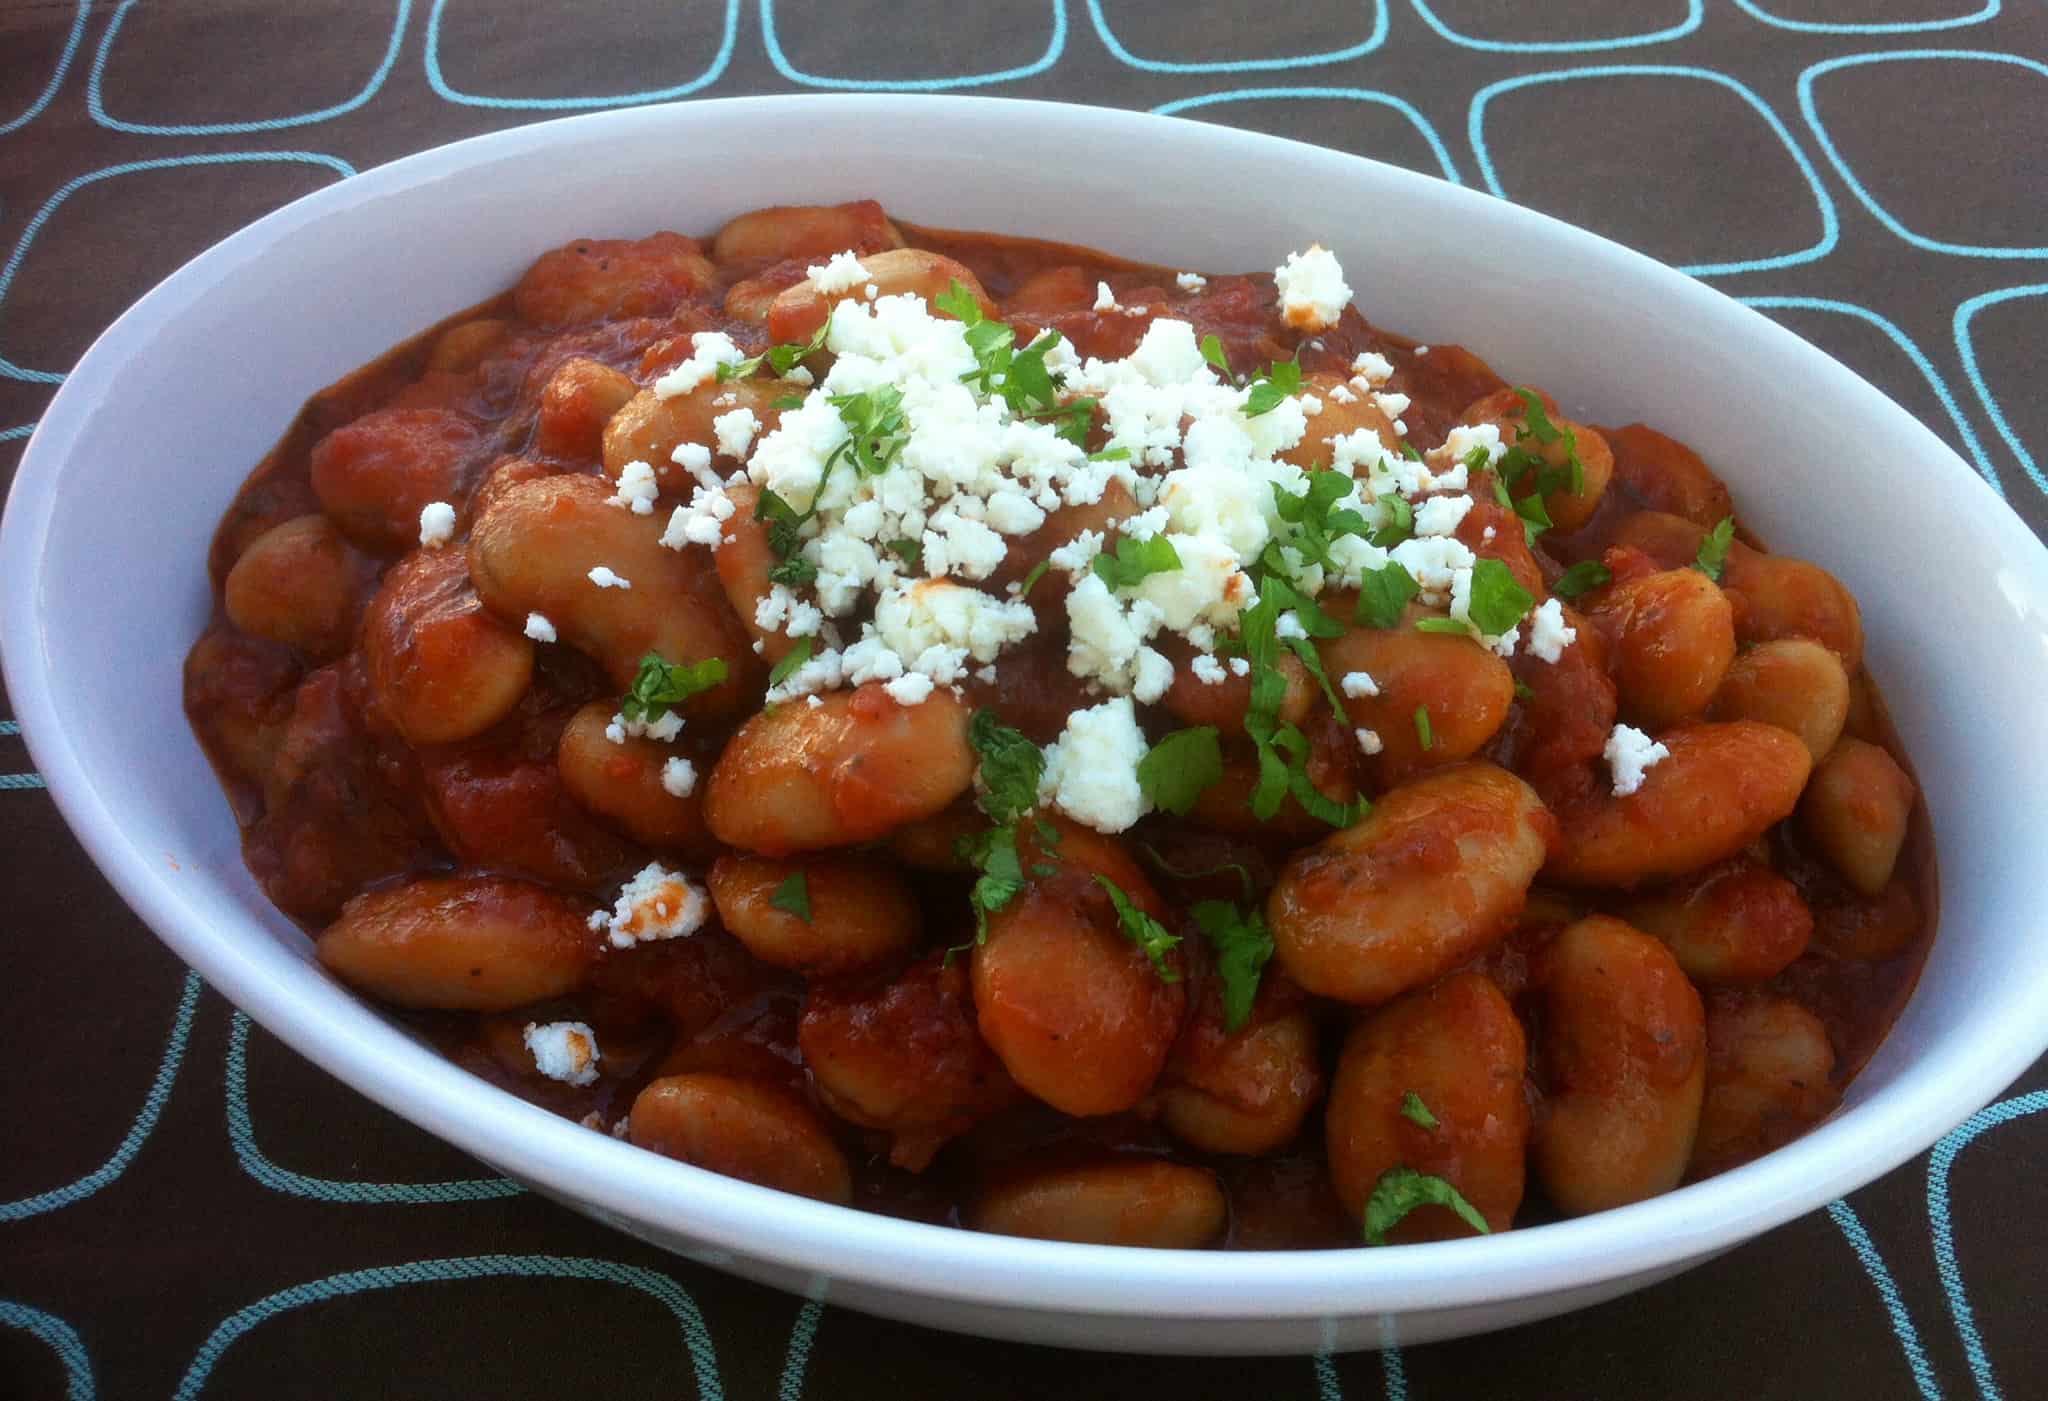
(188, 1209)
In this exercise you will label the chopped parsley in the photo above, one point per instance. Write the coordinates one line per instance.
(1400, 523)
(908, 550)
(1243, 946)
(658, 687)
(1010, 767)
(1174, 771)
(1581, 578)
(1143, 930)
(791, 660)
(1401, 1190)
(1283, 749)
(1714, 549)
(1416, 1112)
(1498, 602)
(1212, 351)
(876, 428)
(994, 854)
(1135, 561)
(1031, 579)
(779, 359)
(1424, 735)
(1020, 378)
(793, 896)
(1383, 593)
(1535, 516)
(1317, 522)
(1537, 425)
(1271, 387)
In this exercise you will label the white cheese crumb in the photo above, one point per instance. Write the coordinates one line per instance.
(636, 489)
(1422, 350)
(656, 904)
(911, 688)
(565, 1051)
(1313, 293)
(1340, 395)
(1440, 515)
(1630, 754)
(679, 777)
(1105, 300)
(735, 432)
(842, 272)
(870, 292)
(1207, 669)
(1372, 367)
(602, 576)
(709, 350)
(539, 628)
(695, 459)
(1190, 281)
(437, 524)
(1549, 634)
(1091, 771)
(1369, 741)
(1358, 683)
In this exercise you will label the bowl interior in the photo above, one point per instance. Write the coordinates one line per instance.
(141, 451)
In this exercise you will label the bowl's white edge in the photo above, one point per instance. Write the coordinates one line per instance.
(361, 1049)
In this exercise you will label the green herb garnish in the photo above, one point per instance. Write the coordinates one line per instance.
(793, 896)
(791, 660)
(1010, 767)
(1583, 577)
(1143, 930)
(1174, 771)
(1135, 561)
(1401, 1190)
(1383, 593)
(658, 687)
(1243, 946)
(1714, 549)
(1416, 1112)
(1424, 735)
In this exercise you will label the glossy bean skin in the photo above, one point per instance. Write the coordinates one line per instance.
(800, 309)
(1117, 1201)
(1076, 1011)
(1622, 1053)
(465, 345)
(744, 560)
(1775, 597)
(1722, 787)
(496, 808)
(782, 231)
(850, 769)
(649, 428)
(1246, 1091)
(1792, 683)
(1739, 922)
(1432, 875)
(1568, 509)
(239, 691)
(748, 1129)
(1769, 1078)
(441, 668)
(298, 584)
(1337, 420)
(1466, 689)
(464, 943)
(1668, 476)
(1870, 928)
(1672, 637)
(902, 1054)
(1458, 1047)
(1225, 703)
(580, 399)
(862, 912)
(620, 784)
(605, 279)
(1856, 810)
(375, 475)
(533, 551)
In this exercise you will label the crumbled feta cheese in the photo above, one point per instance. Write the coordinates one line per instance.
(1440, 515)
(1358, 683)
(1190, 281)
(871, 291)
(1091, 771)
(1105, 300)
(1630, 754)
(1422, 350)
(1372, 367)
(662, 729)
(695, 459)
(735, 432)
(842, 272)
(656, 904)
(911, 688)
(1549, 634)
(604, 578)
(539, 628)
(1313, 293)
(1340, 395)
(1369, 741)
(636, 489)
(1207, 669)
(565, 1051)
(679, 777)
(437, 524)
(709, 350)
(1287, 627)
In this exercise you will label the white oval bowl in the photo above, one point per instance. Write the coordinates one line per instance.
(103, 587)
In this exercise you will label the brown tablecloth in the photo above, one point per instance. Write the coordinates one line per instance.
(187, 1208)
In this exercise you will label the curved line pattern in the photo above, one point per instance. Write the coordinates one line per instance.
(1939, 1164)
(97, 107)
(1911, 26)
(10, 370)
(1383, 99)
(660, 1287)
(1372, 41)
(20, 430)
(1904, 342)
(439, 83)
(59, 1337)
(773, 42)
(63, 70)
(1695, 13)
(138, 1131)
(1966, 346)
(1831, 231)
(1810, 110)
(802, 1334)
(242, 1134)
(1851, 1226)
